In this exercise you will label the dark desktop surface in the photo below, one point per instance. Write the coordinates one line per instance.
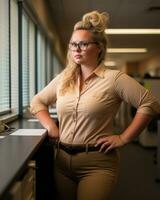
(16, 151)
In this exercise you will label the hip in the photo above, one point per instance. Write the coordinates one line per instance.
(86, 157)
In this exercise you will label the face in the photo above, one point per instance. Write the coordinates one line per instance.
(83, 49)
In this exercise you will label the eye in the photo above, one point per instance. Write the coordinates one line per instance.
(73, 44)
(83, 44)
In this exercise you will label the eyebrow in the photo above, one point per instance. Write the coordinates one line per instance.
(81, 41)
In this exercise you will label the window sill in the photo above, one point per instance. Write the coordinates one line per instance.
(9, 117)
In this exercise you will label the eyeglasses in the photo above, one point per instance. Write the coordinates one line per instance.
(83, 45)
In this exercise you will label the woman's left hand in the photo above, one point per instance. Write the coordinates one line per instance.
(108, 143)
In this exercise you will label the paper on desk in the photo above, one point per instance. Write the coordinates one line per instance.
(36, 120)
(29, 132)
(52, 110)
(1, 137)
(33, 120)
(54, 115)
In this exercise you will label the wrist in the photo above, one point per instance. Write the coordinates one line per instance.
(53, 131)
(123, 140)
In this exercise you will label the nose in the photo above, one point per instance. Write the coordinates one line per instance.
(78, 48)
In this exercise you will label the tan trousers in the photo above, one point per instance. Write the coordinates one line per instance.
(86, 176)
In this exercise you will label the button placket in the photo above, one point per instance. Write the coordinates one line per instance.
(74, 115)
(86, 82)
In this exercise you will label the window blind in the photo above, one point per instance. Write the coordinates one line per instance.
(49, 75)
(25, 60)
(4, 57)
(14, 55)
(40, 61)
(31, 59)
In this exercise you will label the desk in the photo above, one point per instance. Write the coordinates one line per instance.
(16, 151)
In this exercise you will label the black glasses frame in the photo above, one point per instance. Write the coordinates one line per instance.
(82, 45)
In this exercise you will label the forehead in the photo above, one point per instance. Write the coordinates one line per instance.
(80, 35)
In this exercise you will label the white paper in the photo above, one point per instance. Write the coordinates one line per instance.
(52, 110)
(33, 120)
(36, 120)
(1, 137)
(54, 115)
(29, 132)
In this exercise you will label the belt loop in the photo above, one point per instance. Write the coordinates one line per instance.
(58, 144)
(86, 148)
(57, 149)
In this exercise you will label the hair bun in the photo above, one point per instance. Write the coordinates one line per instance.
(97, 21)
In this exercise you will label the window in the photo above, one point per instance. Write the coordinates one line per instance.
(49, 75)
(31, 59)
(4, 58)
(28, 60)
(41, 82)
(14, 55)
(25, 60)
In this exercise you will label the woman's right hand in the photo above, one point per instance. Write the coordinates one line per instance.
(53, 132)
(48, 123)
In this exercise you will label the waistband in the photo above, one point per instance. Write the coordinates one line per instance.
(76, 148)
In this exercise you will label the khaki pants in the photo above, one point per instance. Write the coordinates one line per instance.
(85, 176)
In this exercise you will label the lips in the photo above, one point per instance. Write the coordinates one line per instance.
(78, 56)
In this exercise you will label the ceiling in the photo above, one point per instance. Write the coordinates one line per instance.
(123, 14)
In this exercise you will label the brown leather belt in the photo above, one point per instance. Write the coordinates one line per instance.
(76, 148)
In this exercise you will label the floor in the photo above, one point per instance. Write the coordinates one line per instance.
(138, 174)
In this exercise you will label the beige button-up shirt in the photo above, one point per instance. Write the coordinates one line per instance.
(86, 114)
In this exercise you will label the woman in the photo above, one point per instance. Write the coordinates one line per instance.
(88, 96)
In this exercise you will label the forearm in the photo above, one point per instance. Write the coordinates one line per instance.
(48, 123)
(139, 122)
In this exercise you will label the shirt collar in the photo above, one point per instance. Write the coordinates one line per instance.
(100, 70)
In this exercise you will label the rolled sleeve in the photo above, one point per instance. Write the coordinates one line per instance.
(45, 97)
(135, 94)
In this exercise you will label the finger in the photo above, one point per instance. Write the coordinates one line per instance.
(101, 141)
(104, 146)
(109, 148)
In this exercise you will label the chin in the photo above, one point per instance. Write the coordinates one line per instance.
(79, 62)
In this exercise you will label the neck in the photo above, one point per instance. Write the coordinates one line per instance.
(86, 71)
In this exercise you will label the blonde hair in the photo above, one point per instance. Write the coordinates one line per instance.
(95, 23)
